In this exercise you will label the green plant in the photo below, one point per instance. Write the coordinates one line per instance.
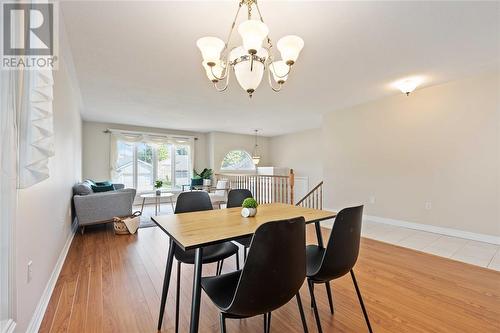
(205, 174)
(158, 184)
(250, 203)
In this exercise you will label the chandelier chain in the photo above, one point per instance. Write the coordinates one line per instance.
(233, 25)
(262, 20)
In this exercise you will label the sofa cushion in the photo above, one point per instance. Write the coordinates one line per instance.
(103, 188)
(105, 183)
(82, 189)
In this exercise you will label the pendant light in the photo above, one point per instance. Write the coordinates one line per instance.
(255, 156)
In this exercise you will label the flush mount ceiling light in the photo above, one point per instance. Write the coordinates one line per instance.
(408, 85)
(250, 60)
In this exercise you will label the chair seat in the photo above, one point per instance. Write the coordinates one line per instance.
(245, 241)
(211, 253)
(221, 289)
(314, 258)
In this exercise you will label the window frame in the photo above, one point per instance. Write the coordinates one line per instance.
(154, 160)
(254, 167)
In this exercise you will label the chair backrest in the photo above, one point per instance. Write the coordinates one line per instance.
(193, 202)
(275, 268)
(235, 198)
(220, 187)
(343, 246)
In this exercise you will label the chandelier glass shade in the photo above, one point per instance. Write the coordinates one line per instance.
(253, 58)
(210, 48)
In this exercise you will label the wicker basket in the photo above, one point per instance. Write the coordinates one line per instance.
(120, 226)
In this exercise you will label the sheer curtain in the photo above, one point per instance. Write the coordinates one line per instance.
(9, 81)
(36, 134)
(152, 139)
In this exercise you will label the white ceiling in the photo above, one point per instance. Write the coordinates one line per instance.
(137, 62)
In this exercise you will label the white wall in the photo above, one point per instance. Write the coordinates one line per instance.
(440, 145)
(96, 147)
(221, 143)
(301, 151)
(44, 222)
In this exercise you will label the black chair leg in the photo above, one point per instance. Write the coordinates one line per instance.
(222, 323)
(269, 322)
(217, 269)
(314, 305)
(237, 260)
(219, 272)
(361, 302)
(265, 322)
(329, 293)
(301, 311)
(177, 297)
(312, 293)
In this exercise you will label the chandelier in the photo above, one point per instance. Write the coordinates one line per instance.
(250, 60)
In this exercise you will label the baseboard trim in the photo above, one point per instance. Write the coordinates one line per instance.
(426, 227)
(437, 230)
(36, 319)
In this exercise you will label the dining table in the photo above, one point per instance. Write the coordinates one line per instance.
(194, 230)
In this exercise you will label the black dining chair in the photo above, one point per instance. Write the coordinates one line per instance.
(235, 198)
(193, 202)
(338, 259)
(272, 275)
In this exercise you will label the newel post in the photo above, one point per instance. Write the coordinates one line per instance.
(292, 185)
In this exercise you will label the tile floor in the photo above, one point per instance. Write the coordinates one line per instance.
(469, 251)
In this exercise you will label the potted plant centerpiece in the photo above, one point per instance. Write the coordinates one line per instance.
(249, 207)
(158, 186)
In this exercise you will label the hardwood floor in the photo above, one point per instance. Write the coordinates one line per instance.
(113, 284)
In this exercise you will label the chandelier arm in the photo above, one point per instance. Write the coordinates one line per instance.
(280, 85)
(227, 81)
(281, 76)
(220, 89)
(215, 76)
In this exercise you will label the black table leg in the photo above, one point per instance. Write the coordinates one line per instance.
(166, 281)
(318, 234)
(196, 298)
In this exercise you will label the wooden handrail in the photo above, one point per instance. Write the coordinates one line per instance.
(309, 193)
(314, 198)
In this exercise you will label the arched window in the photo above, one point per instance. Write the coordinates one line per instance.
(237, 160)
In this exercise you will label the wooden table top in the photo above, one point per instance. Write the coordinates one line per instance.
(192, 230)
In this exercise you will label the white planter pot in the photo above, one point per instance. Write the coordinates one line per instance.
(207, 182)
(248, 212)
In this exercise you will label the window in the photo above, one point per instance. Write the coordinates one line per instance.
(237, 160)
(139, 164)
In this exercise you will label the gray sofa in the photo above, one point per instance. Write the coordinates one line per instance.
(94, 208)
